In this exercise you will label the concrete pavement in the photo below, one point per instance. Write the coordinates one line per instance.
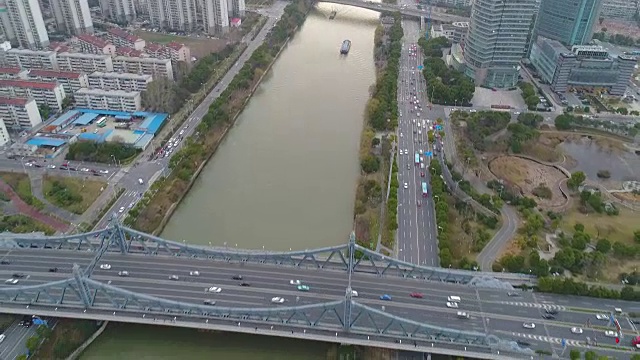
(14, 344)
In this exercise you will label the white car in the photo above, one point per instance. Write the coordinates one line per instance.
(401, 134)
(576, 330)
(84, 170)
(400, 152)
(277, 300)
(354, 293)
(51, 166)
(406, 186)
(602, 316)
(12, 281)
(123, 273)
(452, 305)
(2, 337)
(406, 151)
(295, 282)
(104, 171)
(516, 113)
(213, 289)
(121, 210)
(105, 266)
(529, 325)
(194, 273)
(174, 277)
(610, 333)
(28, 164)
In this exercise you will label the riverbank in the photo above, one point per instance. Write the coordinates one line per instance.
(187, 164)
(373, 225)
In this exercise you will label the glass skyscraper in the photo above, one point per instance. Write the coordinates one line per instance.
(568, 21)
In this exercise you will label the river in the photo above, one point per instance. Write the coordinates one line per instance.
(285, 177)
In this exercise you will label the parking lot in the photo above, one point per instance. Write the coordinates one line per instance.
(484, 98)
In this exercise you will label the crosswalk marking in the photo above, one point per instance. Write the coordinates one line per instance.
(535, 305)
(547, 339)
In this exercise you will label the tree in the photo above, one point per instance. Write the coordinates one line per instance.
(636, 236)
(370, 164)
(590, 355)
(576, 180)
(564, 121)
(574, 354)
(603, 246)
(32, 344)
(22, 357)
(164, 95)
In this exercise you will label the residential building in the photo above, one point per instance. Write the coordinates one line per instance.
(122, 38)
(620, 9)
(456, 32)
(235, 8)
(119, 10)
(21, 23)
(70, 81)
(215, 16)
(4, 134)
(116, 100)
(127, 51)
(19, 113)
(173, 14)
(570, 22)
(44, 93)
(58, 47)
(496, 41)
(94, 45)
(119, 81)
(10, 72)
(72, 16)
(79, 62)
(150, 66)
(583, 67)
(178, 52)
(31, 59)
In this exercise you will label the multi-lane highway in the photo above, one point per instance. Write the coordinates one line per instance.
(491, 311)
(417, 236)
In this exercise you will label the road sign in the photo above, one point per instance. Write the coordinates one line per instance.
(420, 67)
(429, 153)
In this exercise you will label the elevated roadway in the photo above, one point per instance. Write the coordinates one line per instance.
(406, 11)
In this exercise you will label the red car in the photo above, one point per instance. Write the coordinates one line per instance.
(422, 174)
(416, 295)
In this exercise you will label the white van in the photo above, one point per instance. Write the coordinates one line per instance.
(453, 298)
(140, 181)
(354, 293)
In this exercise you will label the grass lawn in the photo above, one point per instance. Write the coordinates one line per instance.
(22, 186)
(72, 194)
(615, 228)
(66, 337)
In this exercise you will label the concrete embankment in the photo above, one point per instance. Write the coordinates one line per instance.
(76, 354)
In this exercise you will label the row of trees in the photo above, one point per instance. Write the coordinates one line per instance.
(529, 95)
(568, 122)
(392, 202)
(568, 286)
(442, 214)
(481, 124)
(523, 131)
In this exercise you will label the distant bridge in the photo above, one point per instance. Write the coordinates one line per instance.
(437, 16)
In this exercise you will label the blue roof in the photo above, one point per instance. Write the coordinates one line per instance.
(152, 123)
(103, 112)
(64, 118)
(123, 117)
(85, 119)
(143, 141)
(43, 141)
(90, 137)
(141, 114)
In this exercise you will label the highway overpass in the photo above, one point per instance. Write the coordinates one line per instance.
(437, 16)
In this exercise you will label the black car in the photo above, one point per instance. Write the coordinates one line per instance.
(5, 262)
(53, 270)
(19, 276)
(522, 343)
(551, 311)
(245, 284)
(548, 316)
(237, 277)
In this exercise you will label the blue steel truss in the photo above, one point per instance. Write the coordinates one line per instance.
(118, 238)
(82, 293)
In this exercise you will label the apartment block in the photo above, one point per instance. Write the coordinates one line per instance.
(19, 113)
(72, 16)
(88, 63)
(31, 59)
(70, 81)
(94, 45)
(215, 16)
(44, 93)
(10, 72)
(127, 51)
(173, 51)
(119, 81)
(149, 66)
(4, 134)
(235, 8)
(22, 23)
(119, 10)
(116, 100)
(620, 9)
(122, 38)
(175, 15)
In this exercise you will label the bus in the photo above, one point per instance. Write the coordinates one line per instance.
(417, 158)
(102, 122)
(425, 190)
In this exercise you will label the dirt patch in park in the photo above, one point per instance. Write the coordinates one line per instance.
(526, 175)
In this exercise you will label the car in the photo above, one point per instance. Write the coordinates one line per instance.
(406, 185)
(551, 311)
(28, 164)
(401, 135)
(104, 171)
(452, 305)
(462, 315)
(174, 277)
(303, 288)
(400, 152)
(11, 281)
(576, 330)
(51, 166)
(194, 273)
(53, 269)
(516, 113)
(295, 282)
(245, 284)
(84, 170)
(529, 325)
(385, 297)
(19, 275)
(548, 316)
(121, 210)
(237, 277)
(513, 294)
(523, 343)
(602, 316)
(421, 174)
(277, 300)
(123, 273)
(5, 262)
(416, 295)
(105, 266)
(354, 293)
(610, 333)
(419, 203)
(2, 337)
(213, 289)
(209, 302)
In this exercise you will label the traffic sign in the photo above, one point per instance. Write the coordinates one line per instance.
(420, 67)
(428, 153)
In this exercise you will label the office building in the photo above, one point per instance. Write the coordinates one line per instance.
(585, 67)
(121, 38)
(72, 16)
(235, 8)
(179, 15)
(620, 9)
(119, 81)
(4, 134)
(570, 22)
(119, 10)
(19, 113)
(149, 66)
(116, 100)
(215, 16)
(88, 63)
(70, 81)
(44, 93)
(94, 45)
(22, 23)
(31, 59)
(456, 32)
(496, 41)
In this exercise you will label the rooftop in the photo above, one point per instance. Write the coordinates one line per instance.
(98, 92)
(46, 85)
(153, 47)
(93, 40)
(83, 55)
(116, 75)
(44, 141)
(123, 34)
(13, 101)
(175, 46)
(139, 59)
(31, 52)
(55, 74)
(127, 51)
(10, 70)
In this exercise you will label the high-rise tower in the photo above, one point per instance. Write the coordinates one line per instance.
(22, 24)
(73, 16)
(570, 22)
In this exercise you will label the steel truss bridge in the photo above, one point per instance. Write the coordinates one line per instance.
(408, 11)
(343, 320)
